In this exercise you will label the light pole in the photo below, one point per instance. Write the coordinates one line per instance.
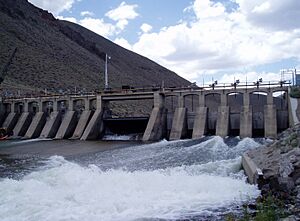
(106, 87)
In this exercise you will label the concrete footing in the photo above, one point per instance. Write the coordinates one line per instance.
(270, 124)
(157, 125)
(36, 126)
(52, 125)
(222, 126)
(95, 127)
(82, 123)
(200, 122)
(179, 124)
(22, 124)
(67, 126)
(246, 122)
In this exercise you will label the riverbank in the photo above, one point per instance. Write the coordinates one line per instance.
(279, 163)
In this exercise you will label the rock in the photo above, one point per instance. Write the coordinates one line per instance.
(285, 168)
(286, 184)
(290, 218)
(294, 143)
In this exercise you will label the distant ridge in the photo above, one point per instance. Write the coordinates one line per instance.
(60, 55)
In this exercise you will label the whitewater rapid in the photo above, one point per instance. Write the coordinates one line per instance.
(165, 180)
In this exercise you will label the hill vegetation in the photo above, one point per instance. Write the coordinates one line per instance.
(59, 55)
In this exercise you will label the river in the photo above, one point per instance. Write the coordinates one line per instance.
(167, 180)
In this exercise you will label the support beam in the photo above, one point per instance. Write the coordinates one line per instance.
(179, 124)
(200, 122)
(270, 124)
(246, 122)
(222, 126)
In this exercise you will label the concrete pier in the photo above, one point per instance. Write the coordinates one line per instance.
(36, 126)
(200, 122)
(52, 125)
(270, 123)
(246, 122)
(10, 121)
(95, 127)
(222, 126)
(156, 127)
(82, 123)
(179, 124)
(67, 126)
(22, 124)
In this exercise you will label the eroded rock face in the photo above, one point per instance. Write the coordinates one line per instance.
(280, 163)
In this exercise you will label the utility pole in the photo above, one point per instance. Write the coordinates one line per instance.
(106, 87)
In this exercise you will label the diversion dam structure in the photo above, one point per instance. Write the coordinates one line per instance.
(177, 113)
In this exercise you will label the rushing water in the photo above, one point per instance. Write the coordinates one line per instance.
(179, 180)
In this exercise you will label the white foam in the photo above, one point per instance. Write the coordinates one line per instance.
(119, 137)
(68, 191)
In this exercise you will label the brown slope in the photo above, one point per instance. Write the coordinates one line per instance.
(56, 54)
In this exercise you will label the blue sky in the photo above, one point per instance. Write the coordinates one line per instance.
(198, 39)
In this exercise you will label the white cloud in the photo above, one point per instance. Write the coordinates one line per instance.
(123, 43)
(251, 76)
(54, 6)
(71, 19)
(98, 26)
(275, 14)
(123, 11)
(87, 13)
(219, 40)
(146, 28)
(122, 14)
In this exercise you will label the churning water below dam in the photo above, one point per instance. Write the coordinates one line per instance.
(167, 180)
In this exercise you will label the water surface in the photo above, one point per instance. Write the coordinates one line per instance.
(178, 180)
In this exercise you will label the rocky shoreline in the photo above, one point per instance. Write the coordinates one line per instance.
(279, 163)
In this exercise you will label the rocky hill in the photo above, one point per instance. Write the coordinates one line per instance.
(59, 55)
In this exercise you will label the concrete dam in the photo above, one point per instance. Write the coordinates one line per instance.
(174, 114)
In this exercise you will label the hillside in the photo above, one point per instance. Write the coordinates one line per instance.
(59, 55)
